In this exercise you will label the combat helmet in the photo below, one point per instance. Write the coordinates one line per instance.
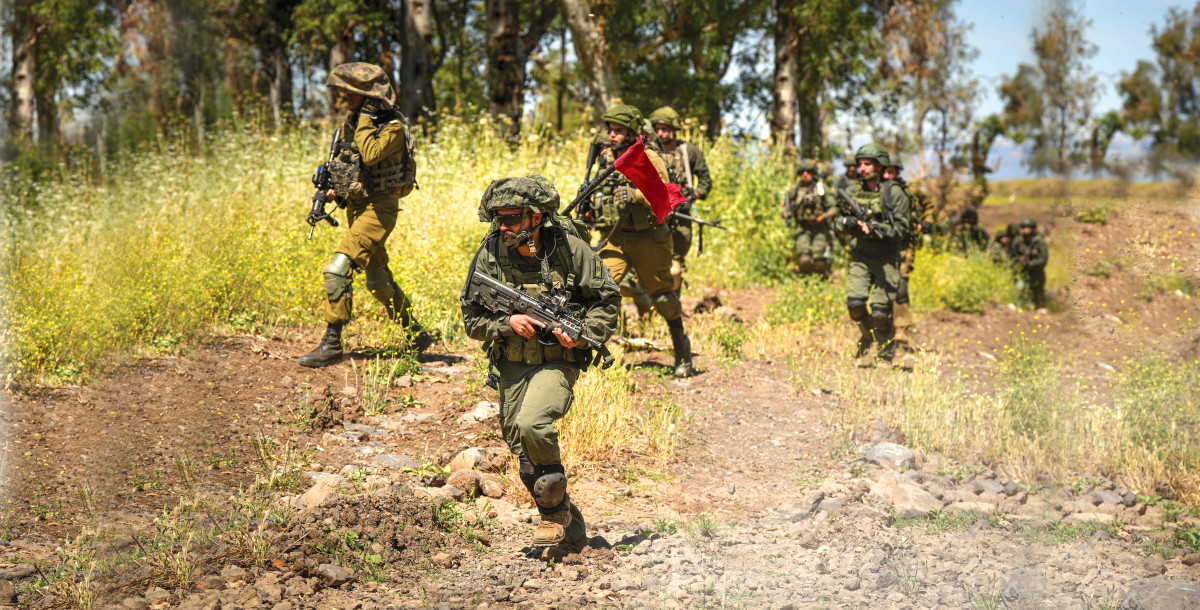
(667, 116)
(534, 193)
(874, 152)
(364, 79)
(808, 165)
(1029, 222)
(970, 214)
(626, 116)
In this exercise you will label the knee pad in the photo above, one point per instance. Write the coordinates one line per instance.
(902, 291)
(550, 487)
(337, 277)
(667, 305)
(881, 317)
(858, 308)
(805, 263)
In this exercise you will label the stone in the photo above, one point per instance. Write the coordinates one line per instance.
(210, 581)
(269, 591)
(1011, 489)
(405, 381)
(440, 494)
(986, 508)
(1158, 594)
(484, 411)
(1099, 518)
(17, 572)
(8, 593)
(1025, 588)
(879, 432)
(891, 455)
(829, 504)
(1191, 559)
(232, 573)
(1078, 506)
(135, 603)
(368, 430)
(155, 596)
(1129, 499)
(334, 576)
(474, 458)
(466, 480)
(316, 495)
(491, 485)
(1154, 565)
(1104, 496)
(394, 461)
(987, 486)
(909, 500)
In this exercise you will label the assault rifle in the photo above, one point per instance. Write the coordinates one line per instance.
(323, 181)
(716, 224)
(862, 215)
(552, 311)
(587, 188)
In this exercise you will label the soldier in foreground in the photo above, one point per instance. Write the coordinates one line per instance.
(372, 169)
(633, 237)
(687, 162)
(536, 367)
(807, 208)
(1030, 253)
(879, 229)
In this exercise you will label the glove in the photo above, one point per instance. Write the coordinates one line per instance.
(926, 227)
(624, 194)
(371, 106)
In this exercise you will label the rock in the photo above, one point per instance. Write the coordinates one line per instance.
(482, 412)
(1078, 506)
(232, 573)
(475, 458)
(1191, 559)
(879, 432)
(1010, 489)
(491, 485)
(395, 461)
(987, 486)
(269, 591)
(1154, 565)
(1100, 518)
(1104, 496)
(405, 381)
(210, 581)
(135, 603)
(8, 593)
(316, 495)
(891, 455)
(350, 391)
(829, 505)
(986, 508)
(17, 572)
(334, 576)
(155, 596)
(1158, 594)
(368, 430)
(910, 500)
(440, 494)
(1026, 588)
(466, 480)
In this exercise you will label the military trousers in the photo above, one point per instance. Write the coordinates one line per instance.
(368, 225)
(681, 238)
(875, 278)
(532, 398)
(648, 252)
(812, 241)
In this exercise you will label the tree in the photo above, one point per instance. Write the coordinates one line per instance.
(508, 50)
(591, 47)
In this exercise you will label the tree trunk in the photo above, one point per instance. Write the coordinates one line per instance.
(280, 86)
(416, 54)
(592, 51)
(809, 110)
(342, 51)
(24, 75)
(506, 65)
(787, 72)
(47, 113)
(198, 114)
(233, 84)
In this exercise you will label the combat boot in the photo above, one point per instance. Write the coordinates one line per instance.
(903, 319)
(682, 346)
(552, 529)
(418, 337)
(328, 352)
(560, 551)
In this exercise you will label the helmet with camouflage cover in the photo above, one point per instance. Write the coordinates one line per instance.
(874, 152)
(808, 165)
(626, 116)
(667, 116)
(534, 193)
(1029, 223)
(364, 79)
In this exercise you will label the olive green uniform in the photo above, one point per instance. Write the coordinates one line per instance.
(691, 172)
(380, 143)
(536, 381)
(874, 271)
(803, 205)
(1031, 255)
(967, 238)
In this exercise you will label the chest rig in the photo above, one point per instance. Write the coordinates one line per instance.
(609, 212)
(550, 275)
(391, 178)
(679, 168)
(805, 203)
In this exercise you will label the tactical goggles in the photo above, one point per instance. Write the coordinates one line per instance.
(509, 220)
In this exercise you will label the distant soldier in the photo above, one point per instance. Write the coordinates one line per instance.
(691, 172)
(922, 214)
(807, 208)
(874, 272)
(968, 236)
(1000, 249)
(374, 170)
(1030, 253)
(636, 241)
(850, 177)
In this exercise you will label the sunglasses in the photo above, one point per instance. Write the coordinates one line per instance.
(509, 220)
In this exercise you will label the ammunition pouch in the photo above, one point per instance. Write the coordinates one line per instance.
(346, 174)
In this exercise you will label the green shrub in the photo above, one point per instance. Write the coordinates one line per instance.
(1096, 213)
(808, 301)
(964, 283)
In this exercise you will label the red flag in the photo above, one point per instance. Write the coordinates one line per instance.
(636, 166)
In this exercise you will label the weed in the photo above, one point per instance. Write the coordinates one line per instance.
(965, 283)
(1097, 213)
(807, 302)
(940, 521)
(729, 335)
(1189, 536)
(805, 475)
(1110, 601)
(378, 377)
(1154, 547)
(1160, 282)
(71, 584)
(665, 525)
(282, 465)
(960, 472)
(703, 525)
(986, 596)
(1104, 268)
(449, 515)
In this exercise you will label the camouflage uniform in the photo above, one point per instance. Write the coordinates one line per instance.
(636, 240)
(537, 381)
(807, 208)
(687, 163)
(968, 236)
(1000, 248)
(372, 171)
(1031, 254)
(874, 271)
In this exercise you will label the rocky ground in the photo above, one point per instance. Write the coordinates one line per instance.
(765, 504)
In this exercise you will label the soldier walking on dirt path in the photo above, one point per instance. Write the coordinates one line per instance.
(537, 380)
(687, 161)
(808, 207)
(372, 170)
(1031, 254)
(876, 243)
(633, 237)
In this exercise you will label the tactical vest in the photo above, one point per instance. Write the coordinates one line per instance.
(879, 204)
(392, 178)
(919, 205)
(677, 169)
(806, 207)
(533, 279)
(609, 212)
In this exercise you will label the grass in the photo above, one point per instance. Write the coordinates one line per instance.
(950, 280)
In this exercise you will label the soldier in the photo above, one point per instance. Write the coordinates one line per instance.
(807, 208)
(687, 163)
(851, 175)
(374, 169)
(968, 236)
(1030, 253)
(922, 215)
(1001, 247)
(874, 271)
(634, 239)
(536, 381)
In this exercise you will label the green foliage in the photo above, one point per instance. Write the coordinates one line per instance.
(1160, 282)
(729, 335)
(1097, 213)
(807, 301)
(1027, 383)
(1161, 407)
(965, 283)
